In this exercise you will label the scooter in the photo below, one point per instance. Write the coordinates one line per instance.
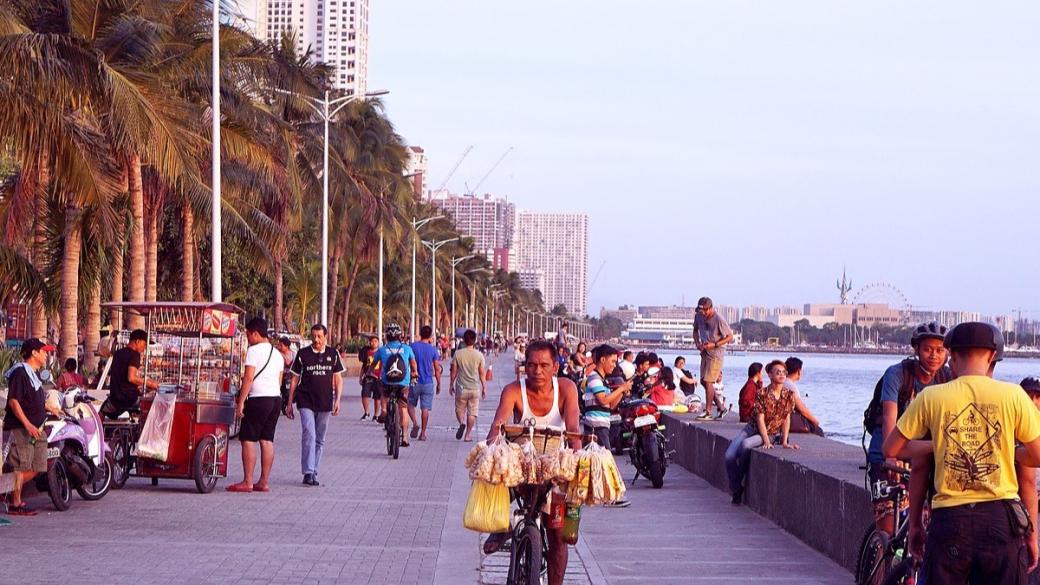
(641, 428)
(77, 455)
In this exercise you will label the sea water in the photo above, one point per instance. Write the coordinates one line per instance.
(835, 387)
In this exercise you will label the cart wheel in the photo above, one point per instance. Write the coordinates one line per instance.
(58, 485)
(155, 481)
(235, 428)
(205, 465)
(120, 462)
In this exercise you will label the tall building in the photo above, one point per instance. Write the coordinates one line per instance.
(488, 220)
(557, 244)
(416, 169)
(532, 279)
(346, 26)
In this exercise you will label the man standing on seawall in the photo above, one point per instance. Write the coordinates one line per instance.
(316, 389)
(712, 333)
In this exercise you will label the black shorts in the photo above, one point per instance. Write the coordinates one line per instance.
(371, 388)
(260, 419)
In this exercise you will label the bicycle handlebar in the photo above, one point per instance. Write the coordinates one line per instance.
(526, 429)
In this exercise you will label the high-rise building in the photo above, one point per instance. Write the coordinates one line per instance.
(488, 220)
(346, 27)
(532, 279)
(416, 169)
(557, 244)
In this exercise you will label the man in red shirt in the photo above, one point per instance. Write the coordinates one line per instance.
(746, 400)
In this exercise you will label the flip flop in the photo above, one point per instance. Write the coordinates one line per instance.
(422, 437)
(460, 432)
(405, 444)
(239, 488)
(415, 432)
(23, 510)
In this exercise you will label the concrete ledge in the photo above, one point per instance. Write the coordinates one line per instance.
(815, 493)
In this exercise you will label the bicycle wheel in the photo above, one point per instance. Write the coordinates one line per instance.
(525, 560)
(902, 573)
(393, 431)
(873, 561)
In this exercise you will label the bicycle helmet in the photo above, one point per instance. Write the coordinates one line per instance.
(394, 332)
(930, 330)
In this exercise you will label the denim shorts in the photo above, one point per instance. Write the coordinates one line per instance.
(422, 395)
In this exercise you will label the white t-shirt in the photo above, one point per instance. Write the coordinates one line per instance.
(266, 381)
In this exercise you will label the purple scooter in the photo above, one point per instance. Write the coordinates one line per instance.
(77, 455)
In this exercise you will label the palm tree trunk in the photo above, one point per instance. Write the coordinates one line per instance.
(137, 260)
(333, 281)
(93, 333)
(118, 266)
(187, 255)
(279, 293)
(70, 283)
(346, 298)
(151, 265)
(38, 327)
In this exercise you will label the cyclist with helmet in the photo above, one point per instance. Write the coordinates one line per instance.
(398, 371)
(900, 383)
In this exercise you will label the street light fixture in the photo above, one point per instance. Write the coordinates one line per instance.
(433, 246)
(327, 110)
(417, 224)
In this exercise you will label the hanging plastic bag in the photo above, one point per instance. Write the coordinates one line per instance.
(155, 437)
(487, 509)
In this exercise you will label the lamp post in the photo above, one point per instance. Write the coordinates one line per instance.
(216, 293)
(417, 224)
(454, 264)
(379, 309)
(327, 110)
(433, 246)
(487, 294)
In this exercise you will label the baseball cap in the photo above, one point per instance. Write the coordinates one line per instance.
(32, 344)
(971, 334)
(704, 303)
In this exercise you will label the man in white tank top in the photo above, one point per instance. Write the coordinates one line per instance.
(550, 401)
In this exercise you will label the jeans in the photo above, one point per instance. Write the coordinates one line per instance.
(974, 544)
(738, 455)
(422, 395)
(314, 424)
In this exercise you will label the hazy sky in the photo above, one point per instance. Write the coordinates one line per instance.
(744, 150)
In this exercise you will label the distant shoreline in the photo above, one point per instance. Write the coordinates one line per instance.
(738, 349)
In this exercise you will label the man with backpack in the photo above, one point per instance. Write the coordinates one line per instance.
(893, 392)
(398, 371)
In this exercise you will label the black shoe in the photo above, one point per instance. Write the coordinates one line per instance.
(314, 480)
(460, 432)
(738, 497)
(308, 479)
(364, 416)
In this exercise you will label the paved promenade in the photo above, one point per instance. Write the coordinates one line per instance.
(377, 521)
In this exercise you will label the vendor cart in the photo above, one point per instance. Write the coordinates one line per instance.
(196, 352)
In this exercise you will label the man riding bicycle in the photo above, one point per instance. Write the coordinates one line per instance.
(899, 385)
(550, 402)
(398, 370)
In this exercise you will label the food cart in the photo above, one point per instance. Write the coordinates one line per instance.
(196, 352)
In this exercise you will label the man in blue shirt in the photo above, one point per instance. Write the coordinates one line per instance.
(427, 360)
(396, 374)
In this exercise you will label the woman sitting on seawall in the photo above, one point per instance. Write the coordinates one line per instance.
(773, 407)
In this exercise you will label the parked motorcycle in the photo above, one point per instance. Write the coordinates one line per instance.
(78, 458)
(640, 428)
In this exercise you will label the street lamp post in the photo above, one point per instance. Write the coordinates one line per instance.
(433, 246)
(454, 264)
(327, 110)
(417, 224)
(216, 293)
(379, 309)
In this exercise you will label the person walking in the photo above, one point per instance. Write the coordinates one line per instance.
(980, 531)
(467, 385)
(286, 354)
(259, 405)
(369, 379)
(428, 364)
(315, 389)
(23, 419)
(396, 374)
(712, 333)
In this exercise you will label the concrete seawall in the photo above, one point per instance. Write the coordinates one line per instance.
(816, 493)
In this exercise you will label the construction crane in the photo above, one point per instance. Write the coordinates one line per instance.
(473, 191)
(451, 173)
(595, 278)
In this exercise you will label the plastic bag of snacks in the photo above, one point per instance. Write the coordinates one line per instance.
(487, 509)
(499, 462)
(596, 479)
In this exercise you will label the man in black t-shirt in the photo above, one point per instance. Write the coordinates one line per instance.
(316, 389)
(125, 381)
(26, 411)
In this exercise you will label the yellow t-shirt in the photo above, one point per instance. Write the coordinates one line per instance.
(974, 422)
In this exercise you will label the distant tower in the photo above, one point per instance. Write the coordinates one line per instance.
(844, 287)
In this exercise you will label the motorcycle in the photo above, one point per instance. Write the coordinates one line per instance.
(640, 427)
(77, 455)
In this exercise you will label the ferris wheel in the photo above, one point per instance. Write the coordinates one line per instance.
(882, 292)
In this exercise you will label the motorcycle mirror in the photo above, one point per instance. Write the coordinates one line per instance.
(45, 375)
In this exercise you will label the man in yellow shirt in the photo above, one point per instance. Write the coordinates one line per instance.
(973, 423)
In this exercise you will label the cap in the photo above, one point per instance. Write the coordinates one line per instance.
(704, 303)
(33, 344)
(971, 334)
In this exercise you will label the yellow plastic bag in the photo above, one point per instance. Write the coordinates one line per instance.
(487, 509)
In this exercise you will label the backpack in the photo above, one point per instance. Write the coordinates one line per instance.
(395, 367)
(872, 415)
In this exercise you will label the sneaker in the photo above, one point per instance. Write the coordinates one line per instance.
(738, 497)
(705, 416)
(460, 432)
(314, 480)
(308, 479)
(364, 416)
(722, 413)
(622, 503)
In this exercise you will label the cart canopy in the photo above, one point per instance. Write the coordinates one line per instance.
(197, 318)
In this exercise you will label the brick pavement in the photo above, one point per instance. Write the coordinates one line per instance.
(375, 521)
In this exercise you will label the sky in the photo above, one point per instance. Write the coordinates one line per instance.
(744, 150)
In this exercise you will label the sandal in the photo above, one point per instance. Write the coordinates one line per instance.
(495, 541)
(261, 488)
(405, 443)
(239, 488)
(23, 510)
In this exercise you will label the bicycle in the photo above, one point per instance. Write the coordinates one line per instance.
(885, 560)
(530, 546)
(393, 422)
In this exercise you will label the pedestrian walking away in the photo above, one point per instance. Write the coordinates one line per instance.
(258, 405)
(980, 530)
(467, 385)
(428, 366)
(397, 370)
(711, 333)
(315, 389)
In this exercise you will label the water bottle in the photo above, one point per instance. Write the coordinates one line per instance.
(570, 524)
